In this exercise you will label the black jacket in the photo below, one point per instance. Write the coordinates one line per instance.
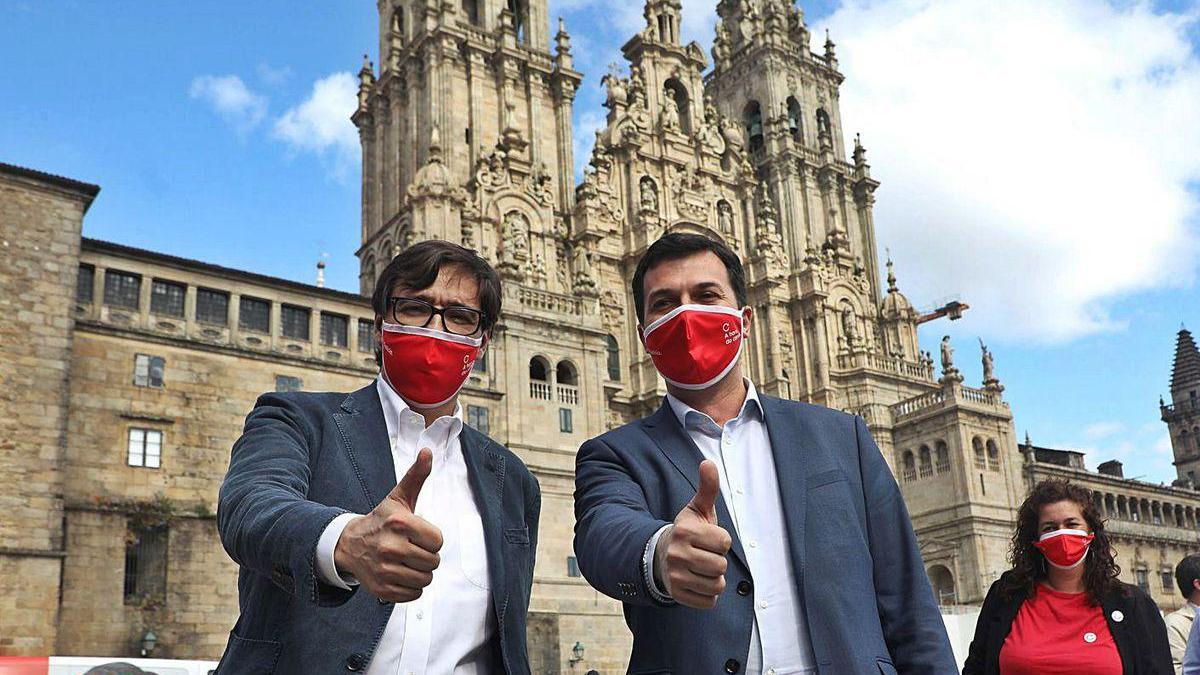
(1141, 635)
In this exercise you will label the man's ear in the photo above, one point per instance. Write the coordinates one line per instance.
(747, 318)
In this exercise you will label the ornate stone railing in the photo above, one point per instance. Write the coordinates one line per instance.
(1129, 528)
(887, 364)
(918, 403)
(540, 391)
(547, 301)
(981, 396)
(568, 394)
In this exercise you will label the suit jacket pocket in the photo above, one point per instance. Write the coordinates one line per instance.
(825, 478)
(249, 657)
(886, 667)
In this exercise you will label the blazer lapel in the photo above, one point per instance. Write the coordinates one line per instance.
(664, 429)
(364, 434)
(789, 439)
(485, 470)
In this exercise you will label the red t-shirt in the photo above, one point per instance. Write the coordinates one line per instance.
(1059, 634)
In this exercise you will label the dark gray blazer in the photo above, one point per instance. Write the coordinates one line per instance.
(862, 581)
(302, 460)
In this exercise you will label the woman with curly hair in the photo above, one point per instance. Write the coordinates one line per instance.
(1060, 610)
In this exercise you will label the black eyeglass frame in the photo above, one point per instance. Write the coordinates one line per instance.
(394, 301)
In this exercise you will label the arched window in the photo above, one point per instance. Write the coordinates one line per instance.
(794, 119)
(565, 373)
(520, 11)
(754, 125)
(910, 466)
(385, 251)
(470, 10)
(398, 22)
(539, 379)
(926, 462)
(980, 455)
(942, 457)
(368, 272)
(943, 585)
(824, 128)
(993, 455)
(674, 90)
(614, 358)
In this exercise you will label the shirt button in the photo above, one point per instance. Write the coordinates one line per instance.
(1089, 637)
(753, 543)
(770, 671)
(420, 615)
(762, 604)
(1118, 616)
(740, 491)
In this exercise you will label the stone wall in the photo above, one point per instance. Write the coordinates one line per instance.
(40, 221)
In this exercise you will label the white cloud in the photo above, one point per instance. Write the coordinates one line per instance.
(321, 124)
(272, 76)
(1035, 155)
(231, 99)
(1103, 430)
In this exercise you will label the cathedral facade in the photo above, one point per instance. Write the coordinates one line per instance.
(140, 366)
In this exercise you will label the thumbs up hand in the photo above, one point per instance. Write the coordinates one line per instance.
(392, 551)
(689, 559)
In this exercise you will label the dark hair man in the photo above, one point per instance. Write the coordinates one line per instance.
(1179, 622)
(324, 589)
(745, 533)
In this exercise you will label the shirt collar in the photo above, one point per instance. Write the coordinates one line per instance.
(400, 418)
(689, 417)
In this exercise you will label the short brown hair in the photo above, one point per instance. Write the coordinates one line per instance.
(677, 245)
(417, 268)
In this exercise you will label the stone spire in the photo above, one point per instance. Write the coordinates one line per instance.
(662, 21)
(320, 274)
(562, 47)
(830, 55)
(891, 277)
(366, 82)
(1186, 372)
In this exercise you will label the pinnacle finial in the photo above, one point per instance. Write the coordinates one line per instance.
(891, 277)
(435, 144)
(1028, 441)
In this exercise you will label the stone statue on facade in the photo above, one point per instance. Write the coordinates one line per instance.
(724, 217)
(990, 381)
(649, 195)
(669, 118)
(585, 277)
(949, 371)
(849, 327)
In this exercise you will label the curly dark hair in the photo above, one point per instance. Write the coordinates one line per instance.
(1029, 566)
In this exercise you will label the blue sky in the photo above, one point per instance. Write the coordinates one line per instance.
(1077, 253)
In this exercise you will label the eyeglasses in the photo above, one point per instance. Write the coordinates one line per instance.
(413, 312)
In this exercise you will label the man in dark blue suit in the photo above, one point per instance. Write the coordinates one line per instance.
(746, 533)
(375, 531)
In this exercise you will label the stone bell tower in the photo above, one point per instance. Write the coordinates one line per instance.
(1182, 413)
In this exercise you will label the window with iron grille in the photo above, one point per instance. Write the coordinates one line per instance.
(148, 370)
(166, 297)
(477, 417)
(366, 336)
(86, 285)
(565, 423)
(288, 383)
(145, 448)
(254, 315)
(145, 564)
(334, 330)
(294, 322)
(121, 289)
(212, 306)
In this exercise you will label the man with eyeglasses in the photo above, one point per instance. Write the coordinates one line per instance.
(375, 531)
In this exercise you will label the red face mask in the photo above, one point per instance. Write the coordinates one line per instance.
(426, 367)
(1065, 549)
(694, 346)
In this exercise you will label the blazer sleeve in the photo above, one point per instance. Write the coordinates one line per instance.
(1191, 654)
(264, 518)
(533, 516)
(1154, 650)
(1176, 640)
(978, 651)
(912, 625)
(613, 524)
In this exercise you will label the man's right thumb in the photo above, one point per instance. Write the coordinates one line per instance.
(705, 501)
(409, 487)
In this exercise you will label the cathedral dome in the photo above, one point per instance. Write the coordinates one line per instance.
(894, 304)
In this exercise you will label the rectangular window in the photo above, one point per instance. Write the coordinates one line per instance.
(145, 448)
(477, 417)
(573, 567)
(366, 336)
(86, 286)
(564, 421)
(145, 564)
(294, 322)
(212, 306)
(288, 383)
(148, 370)
(335, 330)
(122, 289)
(1143, 579)
(166, 297)
(254, 315)
(1168, 581)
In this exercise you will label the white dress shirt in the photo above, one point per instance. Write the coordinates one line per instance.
(779, 643)
(450, 627)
